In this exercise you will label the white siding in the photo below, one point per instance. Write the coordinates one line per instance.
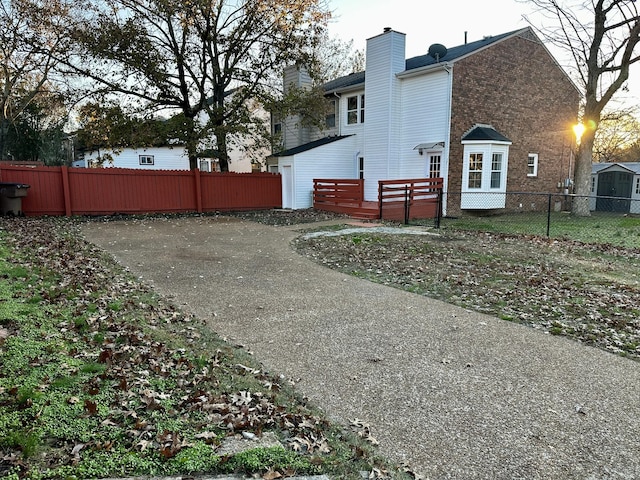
(333, 160)
(385, 58)
(164, 158)
(425, 119)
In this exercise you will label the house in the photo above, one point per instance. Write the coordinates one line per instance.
(244, 151)
(615, 187)
(173, 157)
(489, 117)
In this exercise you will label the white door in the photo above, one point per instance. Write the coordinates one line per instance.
(287, 186)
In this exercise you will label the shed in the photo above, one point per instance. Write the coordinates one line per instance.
(299, 166)
(615, 187)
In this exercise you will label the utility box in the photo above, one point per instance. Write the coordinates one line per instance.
(11, 195)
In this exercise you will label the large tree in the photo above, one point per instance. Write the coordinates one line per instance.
(209, 60)
(601, 37)
(32, 33)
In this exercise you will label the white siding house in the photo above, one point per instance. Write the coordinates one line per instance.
(420, 118)
(153, 158)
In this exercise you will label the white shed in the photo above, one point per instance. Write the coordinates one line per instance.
(301, 165)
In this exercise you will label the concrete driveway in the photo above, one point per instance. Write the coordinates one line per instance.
(453, 393)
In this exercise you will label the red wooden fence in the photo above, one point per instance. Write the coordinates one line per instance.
(105, 191)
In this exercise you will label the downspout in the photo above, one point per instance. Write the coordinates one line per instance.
(445, 179)
(338, 122)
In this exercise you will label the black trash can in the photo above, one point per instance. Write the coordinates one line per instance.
(11, 195)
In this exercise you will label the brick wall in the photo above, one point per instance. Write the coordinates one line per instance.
(518, 88)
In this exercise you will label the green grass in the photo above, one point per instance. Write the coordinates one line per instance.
(603, 228)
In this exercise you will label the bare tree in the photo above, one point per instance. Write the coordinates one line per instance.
(601, 37)
(208, 60)
(32, 32)
(617, 133)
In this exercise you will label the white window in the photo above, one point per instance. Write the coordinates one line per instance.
(484, 175)
(146, 159)
(532, 165)
(435, 161)
(361, 168)
(593, 185)
(475, 170)
(638, 185)
(496, 170)
(355, 109)
(330, 119)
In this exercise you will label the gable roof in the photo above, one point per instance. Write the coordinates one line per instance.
(309, 146)
(633, 167)
(484, 133)
(453, 54)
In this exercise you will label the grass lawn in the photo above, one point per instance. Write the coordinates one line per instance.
(602, 228)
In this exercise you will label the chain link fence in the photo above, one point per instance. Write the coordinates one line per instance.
(608, 220)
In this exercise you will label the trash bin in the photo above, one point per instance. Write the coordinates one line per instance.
(11, 198)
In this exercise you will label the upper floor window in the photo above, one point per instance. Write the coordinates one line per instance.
(355, 109)
(532, 165)
(330, 119)
(146, 159)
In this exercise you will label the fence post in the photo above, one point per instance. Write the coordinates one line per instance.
(380, 187)
(406, 205)
(549, 216)
(439, 209)
(197, 179)
(64, 170)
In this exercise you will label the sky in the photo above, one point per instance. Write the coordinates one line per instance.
(426, 22)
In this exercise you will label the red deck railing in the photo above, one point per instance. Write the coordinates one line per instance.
(397, 199)
(404, 200)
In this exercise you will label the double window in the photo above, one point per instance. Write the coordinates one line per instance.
(355, 109)
(146, 159)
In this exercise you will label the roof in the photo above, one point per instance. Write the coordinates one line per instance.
(456, 52)
(484, 133)
(309, 146)
(633, 167)
(420, 61)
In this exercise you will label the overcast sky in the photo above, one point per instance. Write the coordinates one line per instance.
(426, 22)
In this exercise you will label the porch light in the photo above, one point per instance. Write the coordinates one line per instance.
(578, 129)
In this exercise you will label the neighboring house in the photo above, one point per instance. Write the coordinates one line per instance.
(490, 117)
(162, 158)
(245, 152)
(619, 180)
(152, 158)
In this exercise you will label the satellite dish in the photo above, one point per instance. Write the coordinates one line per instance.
(437, 51)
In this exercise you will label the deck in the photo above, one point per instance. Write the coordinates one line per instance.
(399, 200)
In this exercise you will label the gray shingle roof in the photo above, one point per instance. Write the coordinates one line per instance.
(421, 61)
(484, 132)
(309, 146)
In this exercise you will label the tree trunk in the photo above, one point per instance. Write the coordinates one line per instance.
(4, 132)
(582, 184)
(221, 144)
